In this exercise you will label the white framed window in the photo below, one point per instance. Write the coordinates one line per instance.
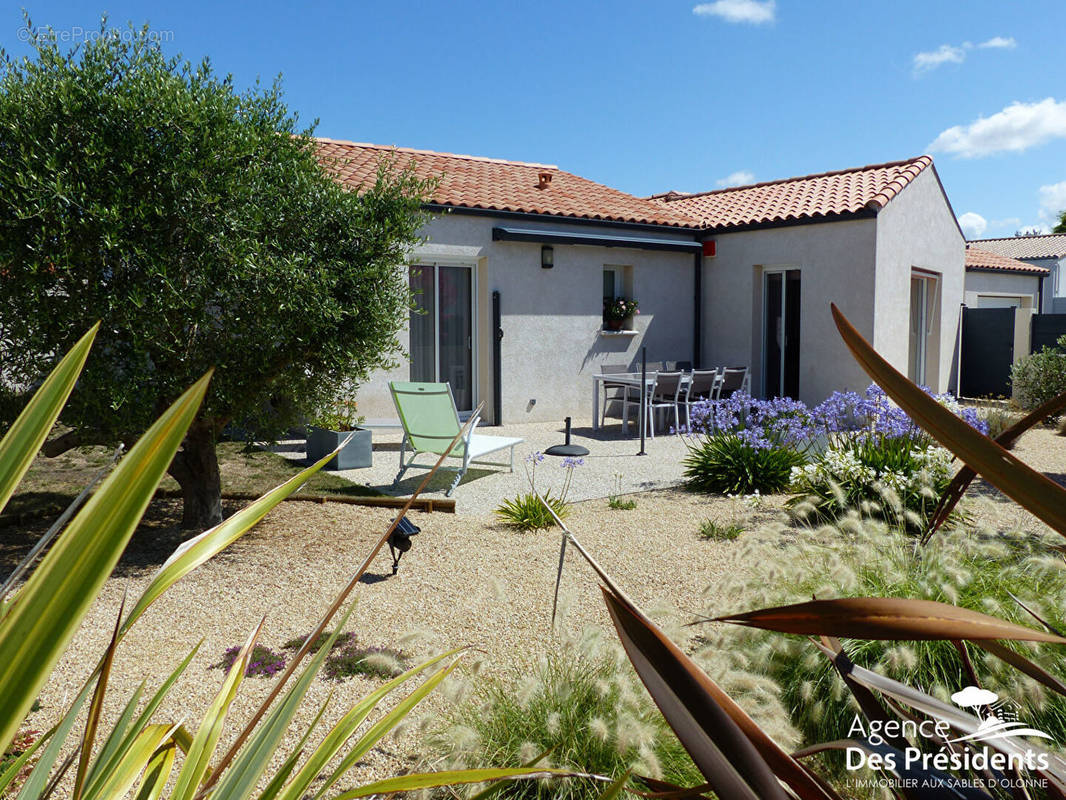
(617, 282)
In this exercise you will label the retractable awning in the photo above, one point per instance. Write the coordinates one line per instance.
(508, 234)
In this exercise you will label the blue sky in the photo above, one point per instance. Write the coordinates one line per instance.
(648, 96)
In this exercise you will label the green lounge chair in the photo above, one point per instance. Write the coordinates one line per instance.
(430, 422)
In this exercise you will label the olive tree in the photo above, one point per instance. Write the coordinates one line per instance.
(196, 222)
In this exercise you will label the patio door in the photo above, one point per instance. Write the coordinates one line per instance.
(923, 306)
(442, 329)
(781, 333)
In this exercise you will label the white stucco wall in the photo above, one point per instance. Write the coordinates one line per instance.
(836, 262)
(552, 318)
(917, 230)
(1001, 284)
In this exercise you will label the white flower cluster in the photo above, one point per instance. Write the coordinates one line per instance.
(842, 467)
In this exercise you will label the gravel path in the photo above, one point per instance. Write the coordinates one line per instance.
(467, 581)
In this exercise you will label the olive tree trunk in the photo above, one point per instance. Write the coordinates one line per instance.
(195, 468)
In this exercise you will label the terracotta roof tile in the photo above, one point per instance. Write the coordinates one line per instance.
(496, 184)
(977, 259)
(1049, 245)
(847, 191)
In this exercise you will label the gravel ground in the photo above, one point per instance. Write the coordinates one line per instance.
(612, 466)
(467, 581)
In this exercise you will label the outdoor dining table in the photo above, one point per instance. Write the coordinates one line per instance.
(627, 379)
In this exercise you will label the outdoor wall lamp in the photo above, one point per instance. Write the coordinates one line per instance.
(547, 257)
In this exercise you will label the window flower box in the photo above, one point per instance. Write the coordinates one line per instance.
(618, 313)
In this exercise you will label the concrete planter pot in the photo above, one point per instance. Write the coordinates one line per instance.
(357, 454)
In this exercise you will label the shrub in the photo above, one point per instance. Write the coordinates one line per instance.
(1040, 376)
(353, 659)
(264, 663)
(725, 463)
(743, 445)
(865, 559)
(525, 512)
(998, 417)
(343, 640)
(582, 702)
(875, 460)
(710, 529)
(897, 479)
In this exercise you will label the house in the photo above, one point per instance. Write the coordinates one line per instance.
(880, 241)
(519, 258)
(997, 281)
(1043, 250)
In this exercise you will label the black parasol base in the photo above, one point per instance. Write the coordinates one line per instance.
(567, 449)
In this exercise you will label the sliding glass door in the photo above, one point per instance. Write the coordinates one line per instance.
(442, 329)
(781, 333)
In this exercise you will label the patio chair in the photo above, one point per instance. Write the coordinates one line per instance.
(734, 379)
(702, 387)
(665, 392)
(430, 422)
(621, 389)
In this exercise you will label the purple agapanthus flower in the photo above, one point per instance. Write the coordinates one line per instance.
(783, 422)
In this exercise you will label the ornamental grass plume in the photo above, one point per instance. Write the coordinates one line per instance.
(859, 557)
(583, 702)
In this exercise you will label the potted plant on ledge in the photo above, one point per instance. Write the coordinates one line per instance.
(618, 313)
(331, 426)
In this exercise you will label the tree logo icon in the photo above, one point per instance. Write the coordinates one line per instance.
(998, 721)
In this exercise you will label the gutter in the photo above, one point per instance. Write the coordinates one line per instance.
(527, 216)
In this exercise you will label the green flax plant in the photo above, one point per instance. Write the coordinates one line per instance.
(138, 752)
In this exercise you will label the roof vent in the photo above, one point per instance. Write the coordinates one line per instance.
(544, 180)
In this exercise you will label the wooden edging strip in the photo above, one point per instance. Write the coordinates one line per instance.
(427, 504)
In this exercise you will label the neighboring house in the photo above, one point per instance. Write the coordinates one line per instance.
(996, 281)
(740, 276)
(1044, 250)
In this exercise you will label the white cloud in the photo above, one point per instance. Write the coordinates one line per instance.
(739, 178)
(1000, 43)
(754, 12)
(972, 224)
(1016, 128)
(974, 696)
(950, 54)
(945, 54)
(1052, 202)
